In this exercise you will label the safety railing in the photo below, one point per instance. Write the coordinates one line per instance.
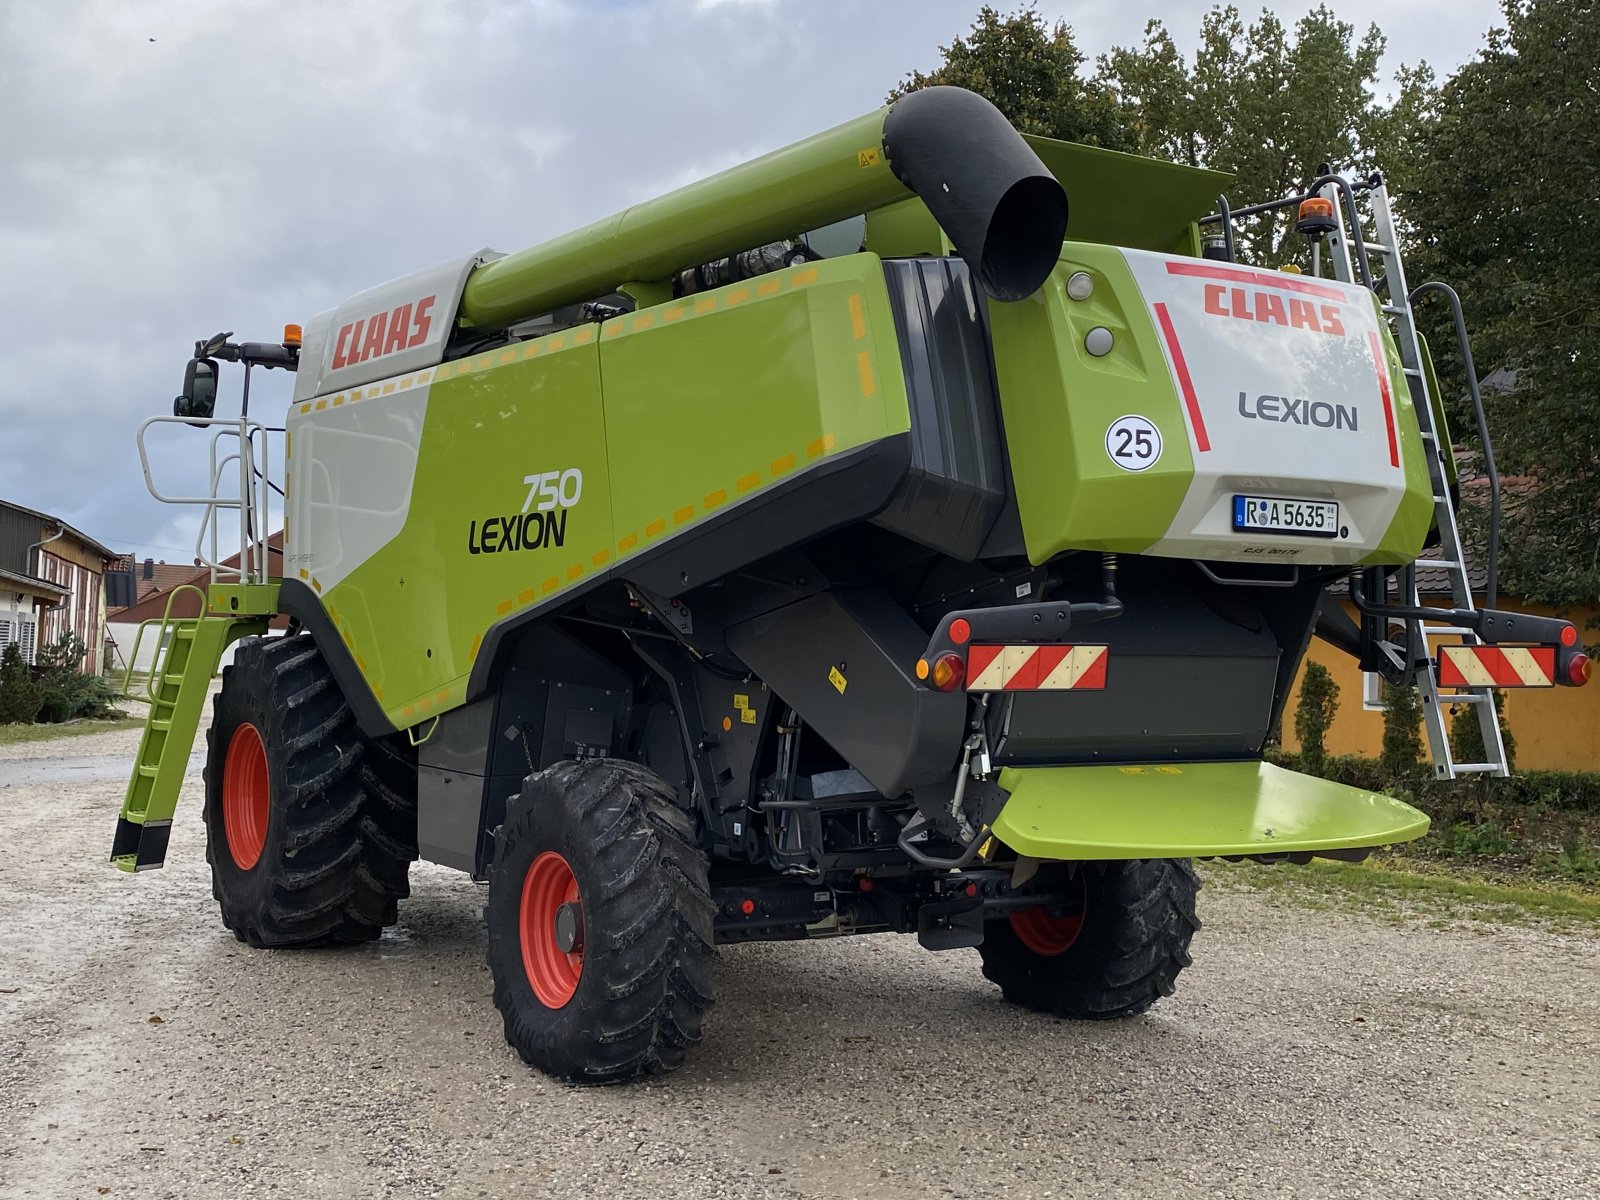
(247, 459)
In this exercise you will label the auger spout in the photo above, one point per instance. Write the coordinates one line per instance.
(1003, 211)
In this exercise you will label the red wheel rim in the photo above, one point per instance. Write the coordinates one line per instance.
(1047, 934)
(245, 796)
(553, 973)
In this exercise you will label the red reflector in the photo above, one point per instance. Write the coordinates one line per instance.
(747, 907)
(949, 670)
(1497, 666)
(972, 889)
(1036, 668)
(1569, 636)
(960, 631)
(865, 883)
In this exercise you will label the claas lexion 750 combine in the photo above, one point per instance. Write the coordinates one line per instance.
(853, 541)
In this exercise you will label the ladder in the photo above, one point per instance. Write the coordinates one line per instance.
(177, 696)
(1395, 299)
(238, 602)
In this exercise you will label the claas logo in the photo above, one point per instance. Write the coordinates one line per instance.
(383, 333)
(1269, 308)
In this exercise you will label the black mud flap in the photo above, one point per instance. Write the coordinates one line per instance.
(951, 924)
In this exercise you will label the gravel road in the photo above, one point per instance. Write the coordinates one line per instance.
(145, 1053)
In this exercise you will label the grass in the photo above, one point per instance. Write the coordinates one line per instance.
(12, 735)
(1418, 891)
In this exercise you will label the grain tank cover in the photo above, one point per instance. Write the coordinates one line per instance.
(1288, 394)
(388, 330)
(1177, 406)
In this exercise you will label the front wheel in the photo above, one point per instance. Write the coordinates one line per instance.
(600, 924)
(1112, 950)
(310, 825)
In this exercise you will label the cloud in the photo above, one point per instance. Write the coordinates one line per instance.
(173, 169)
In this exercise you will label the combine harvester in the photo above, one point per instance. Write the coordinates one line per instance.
(854, 541)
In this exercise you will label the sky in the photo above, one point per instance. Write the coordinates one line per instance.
(169, 170)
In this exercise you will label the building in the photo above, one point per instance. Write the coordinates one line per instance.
(128, 582)
(151, 588)
(51, 583)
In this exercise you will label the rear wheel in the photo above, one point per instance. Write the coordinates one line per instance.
(1112, 950)
(311, 826)
(600, 924)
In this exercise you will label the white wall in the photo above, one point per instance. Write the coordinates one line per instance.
(16, 608)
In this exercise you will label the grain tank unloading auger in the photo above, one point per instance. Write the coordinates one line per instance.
(848, 542)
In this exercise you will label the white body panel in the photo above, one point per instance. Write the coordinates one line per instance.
(385, 331)
(350, 476)
(1286, 393)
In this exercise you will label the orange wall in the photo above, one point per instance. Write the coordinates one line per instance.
(1555, 728)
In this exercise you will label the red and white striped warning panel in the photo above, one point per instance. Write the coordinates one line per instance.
(1497, 666)
(1036, 668)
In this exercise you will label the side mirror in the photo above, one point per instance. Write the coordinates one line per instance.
(199, 396)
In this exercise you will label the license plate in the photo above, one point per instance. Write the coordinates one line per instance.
(1273, 514)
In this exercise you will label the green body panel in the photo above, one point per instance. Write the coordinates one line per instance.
(1125, 200)
(1058, 400)
(702, 409)
(178, 696)
(244, 599)
(836, 174)
(1402, 542)
(413, 613)
(705, 401)
(1191, 810)
(905, 230)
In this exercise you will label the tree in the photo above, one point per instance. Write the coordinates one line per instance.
(1314, 713)
(1504, 190)
(1269, 106)
(1029, 71)
(1401, 755)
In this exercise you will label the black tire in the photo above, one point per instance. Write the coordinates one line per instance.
(324, 856)
(1136, 922)
(644, 977)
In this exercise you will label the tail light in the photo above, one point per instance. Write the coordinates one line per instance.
(946, 672)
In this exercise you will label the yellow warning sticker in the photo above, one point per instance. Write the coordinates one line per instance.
(836, 677)
(1169, 770)
(747, 715)
(866, 158)
(1132, 770)
(741, 701)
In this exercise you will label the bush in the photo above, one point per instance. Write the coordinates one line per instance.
(1479, 839)
(1319, 702)
(1578, 860)
(20, 697)
(1401, 757)
(65, 693)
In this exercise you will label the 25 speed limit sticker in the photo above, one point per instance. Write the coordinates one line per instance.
(1133, 443)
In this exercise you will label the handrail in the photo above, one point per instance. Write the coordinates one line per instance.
(1492, 588)
(1348, 205)
(252, 502)
(163, 621)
